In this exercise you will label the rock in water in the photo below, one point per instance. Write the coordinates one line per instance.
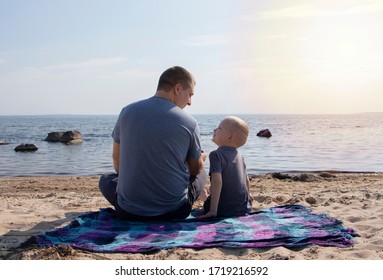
(71, 137)
(54, 136)
(26, 148)
(264, 133)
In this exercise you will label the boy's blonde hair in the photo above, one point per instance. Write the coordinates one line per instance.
(239, 128)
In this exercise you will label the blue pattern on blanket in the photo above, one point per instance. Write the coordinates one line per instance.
(288, 226)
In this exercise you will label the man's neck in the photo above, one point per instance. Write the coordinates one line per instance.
(164, 94)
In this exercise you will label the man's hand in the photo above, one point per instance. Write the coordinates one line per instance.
(203, 155)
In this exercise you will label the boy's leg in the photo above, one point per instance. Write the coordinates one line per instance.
(206, 205)
(108, 186)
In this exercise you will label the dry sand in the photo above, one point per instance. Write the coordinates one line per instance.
(33, 205)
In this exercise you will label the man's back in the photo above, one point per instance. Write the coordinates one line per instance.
(156, 137)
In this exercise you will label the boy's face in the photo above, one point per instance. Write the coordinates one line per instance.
(222, 134)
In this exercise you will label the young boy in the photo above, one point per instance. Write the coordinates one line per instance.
(229, 189)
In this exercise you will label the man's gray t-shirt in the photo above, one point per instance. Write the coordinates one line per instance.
(234, 198)
(156, 138)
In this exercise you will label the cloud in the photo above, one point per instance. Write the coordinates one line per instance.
(88, 64)
(60, 71)
(370, 7)
(2, 61)
(291, 12)
(204, 40)
(131, 74)
(319, 10)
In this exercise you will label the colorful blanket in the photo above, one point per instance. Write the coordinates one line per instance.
(288, 226)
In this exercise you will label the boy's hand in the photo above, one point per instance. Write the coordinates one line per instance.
(208, 215)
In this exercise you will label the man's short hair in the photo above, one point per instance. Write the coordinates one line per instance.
(173, 76)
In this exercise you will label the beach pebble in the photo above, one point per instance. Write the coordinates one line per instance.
(311, 200)
(262, 199)
(280, 176)
(305, 178)
(326, 175)
(280, 199)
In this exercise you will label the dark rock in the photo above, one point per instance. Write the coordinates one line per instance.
(26, 148)
(305, 178)
(280, 176)
(71, 137)
(54, 136)
(327, 175)
(264, 133)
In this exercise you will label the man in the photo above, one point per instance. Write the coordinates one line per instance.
(157, 154)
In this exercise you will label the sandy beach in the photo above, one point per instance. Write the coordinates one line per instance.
(33, 205)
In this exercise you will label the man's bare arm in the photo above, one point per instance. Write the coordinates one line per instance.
(116, 156)
(195, 166)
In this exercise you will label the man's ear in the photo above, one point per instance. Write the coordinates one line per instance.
(177, 88)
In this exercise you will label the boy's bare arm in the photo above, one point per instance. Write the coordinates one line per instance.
(215, 193)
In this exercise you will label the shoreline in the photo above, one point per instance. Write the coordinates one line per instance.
(290, 172)
(32, 205)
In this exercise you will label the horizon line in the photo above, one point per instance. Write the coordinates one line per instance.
(196, 114)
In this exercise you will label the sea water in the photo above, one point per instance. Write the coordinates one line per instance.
(299, 143)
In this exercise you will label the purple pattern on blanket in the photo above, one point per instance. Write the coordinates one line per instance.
(288, 226)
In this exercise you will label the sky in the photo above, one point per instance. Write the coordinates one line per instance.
(247, 56)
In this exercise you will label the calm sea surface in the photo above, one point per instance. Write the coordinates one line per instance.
(299, 143)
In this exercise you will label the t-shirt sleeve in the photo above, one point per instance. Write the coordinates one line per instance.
(116, 130)
(215, 163)
(195, 145)
(244, 165)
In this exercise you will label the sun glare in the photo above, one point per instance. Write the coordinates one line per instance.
(347, 50)
(343, 53)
